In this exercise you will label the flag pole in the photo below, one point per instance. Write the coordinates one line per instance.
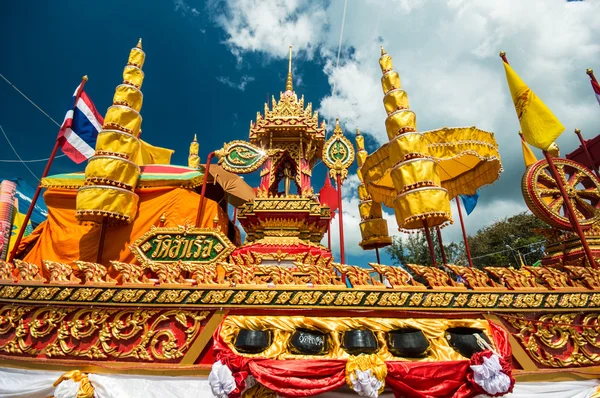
(38, 190)
(341, 221)
(441, 243)
(464, 232)
(590, 73)
(587, 153)
(570, 210)
(203, 191)
(429, 243)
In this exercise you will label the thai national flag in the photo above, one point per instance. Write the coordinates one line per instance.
(596, 88)
(80, 128)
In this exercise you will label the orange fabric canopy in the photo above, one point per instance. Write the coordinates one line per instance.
(62, 239)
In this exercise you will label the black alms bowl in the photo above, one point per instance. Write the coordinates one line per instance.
(407, 342)
(357, 342)
(309, 342)
(252, 341)
(464, 340)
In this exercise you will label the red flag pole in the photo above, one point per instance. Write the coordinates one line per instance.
(339, 184)
(429, 243)
(591, 75)
(38, 190)
(464, 232)
(203, 192)
(570, 210)
(439, 236)
(593, 165)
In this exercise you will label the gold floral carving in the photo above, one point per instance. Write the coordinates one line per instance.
(28, 272)
(555, 341)
(474, 278)
(397, 277)
(589, 276)
(515, 279)
(204, 274)
(95, 274)
(320, 270)
(436, 278)
(132, 274)
(554, 278)
(6, 272)
(168, 273)
(96, 333)
(358, 276)
(60, 273)
(242, 275)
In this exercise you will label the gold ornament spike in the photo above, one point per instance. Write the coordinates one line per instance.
(139, 45)
(589, 71)
(288, 84)
(193, 158)
(383, 51)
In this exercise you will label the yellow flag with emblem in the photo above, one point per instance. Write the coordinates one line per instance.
(539, 125)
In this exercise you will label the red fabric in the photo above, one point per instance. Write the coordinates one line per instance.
(300, 378)
(328, 194)
(429, 379)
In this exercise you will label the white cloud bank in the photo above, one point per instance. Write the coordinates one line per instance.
(447, 56)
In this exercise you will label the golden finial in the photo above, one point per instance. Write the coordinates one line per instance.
(382, 51)
(195, 138)
(577, 131)
(85, 78)
(357, 132)
(502, 54)
(216, 222)
(589, 71)
(163, 219)
(288, 84)
(139, 45)
(193, 158)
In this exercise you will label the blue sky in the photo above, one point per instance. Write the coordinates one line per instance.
(211, 65)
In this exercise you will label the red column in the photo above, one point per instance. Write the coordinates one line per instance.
(464, 232)
(429, 243)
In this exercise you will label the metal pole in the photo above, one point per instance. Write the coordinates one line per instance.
(341, 221)
(509, 247)
(377, 254)
(441, 243)
(429, 243)
(587, 153)
(203, 192)
(38, 190)
(464, 232)
(570, 211)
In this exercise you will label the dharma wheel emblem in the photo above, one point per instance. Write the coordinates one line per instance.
(338, 153)
(183, 243)
(241, 157)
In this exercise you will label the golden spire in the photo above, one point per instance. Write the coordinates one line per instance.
(193, 158)
(288, 84)
(139, 45)
(382, 51)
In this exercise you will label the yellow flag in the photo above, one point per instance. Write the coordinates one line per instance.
(540, 126)
(528, 155)
(150, 154)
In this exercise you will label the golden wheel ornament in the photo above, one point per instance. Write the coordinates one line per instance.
(542, 194)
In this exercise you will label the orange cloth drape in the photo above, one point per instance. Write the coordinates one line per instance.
(61, 238)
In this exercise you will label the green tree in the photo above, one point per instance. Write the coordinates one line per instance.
(414, 250)
(502, 243)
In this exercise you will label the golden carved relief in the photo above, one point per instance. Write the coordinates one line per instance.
(397, 277)
(515, 279)
(132, 274)
(60, 273)
(436, 278)
(99, 333)
(589, 276)
(28, 272)
(6, 272)
(474, 278)
(358, 276)
(95, 274)
(554, 278)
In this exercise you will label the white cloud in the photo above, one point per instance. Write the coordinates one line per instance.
(270, 26)
(238, 86)
(447, 56)
(186, 9)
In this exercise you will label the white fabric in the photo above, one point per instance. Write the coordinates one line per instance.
(549, 389)
(490, 377)
(365, 383)
(221, 380)
(19, 383)
(66, 389)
